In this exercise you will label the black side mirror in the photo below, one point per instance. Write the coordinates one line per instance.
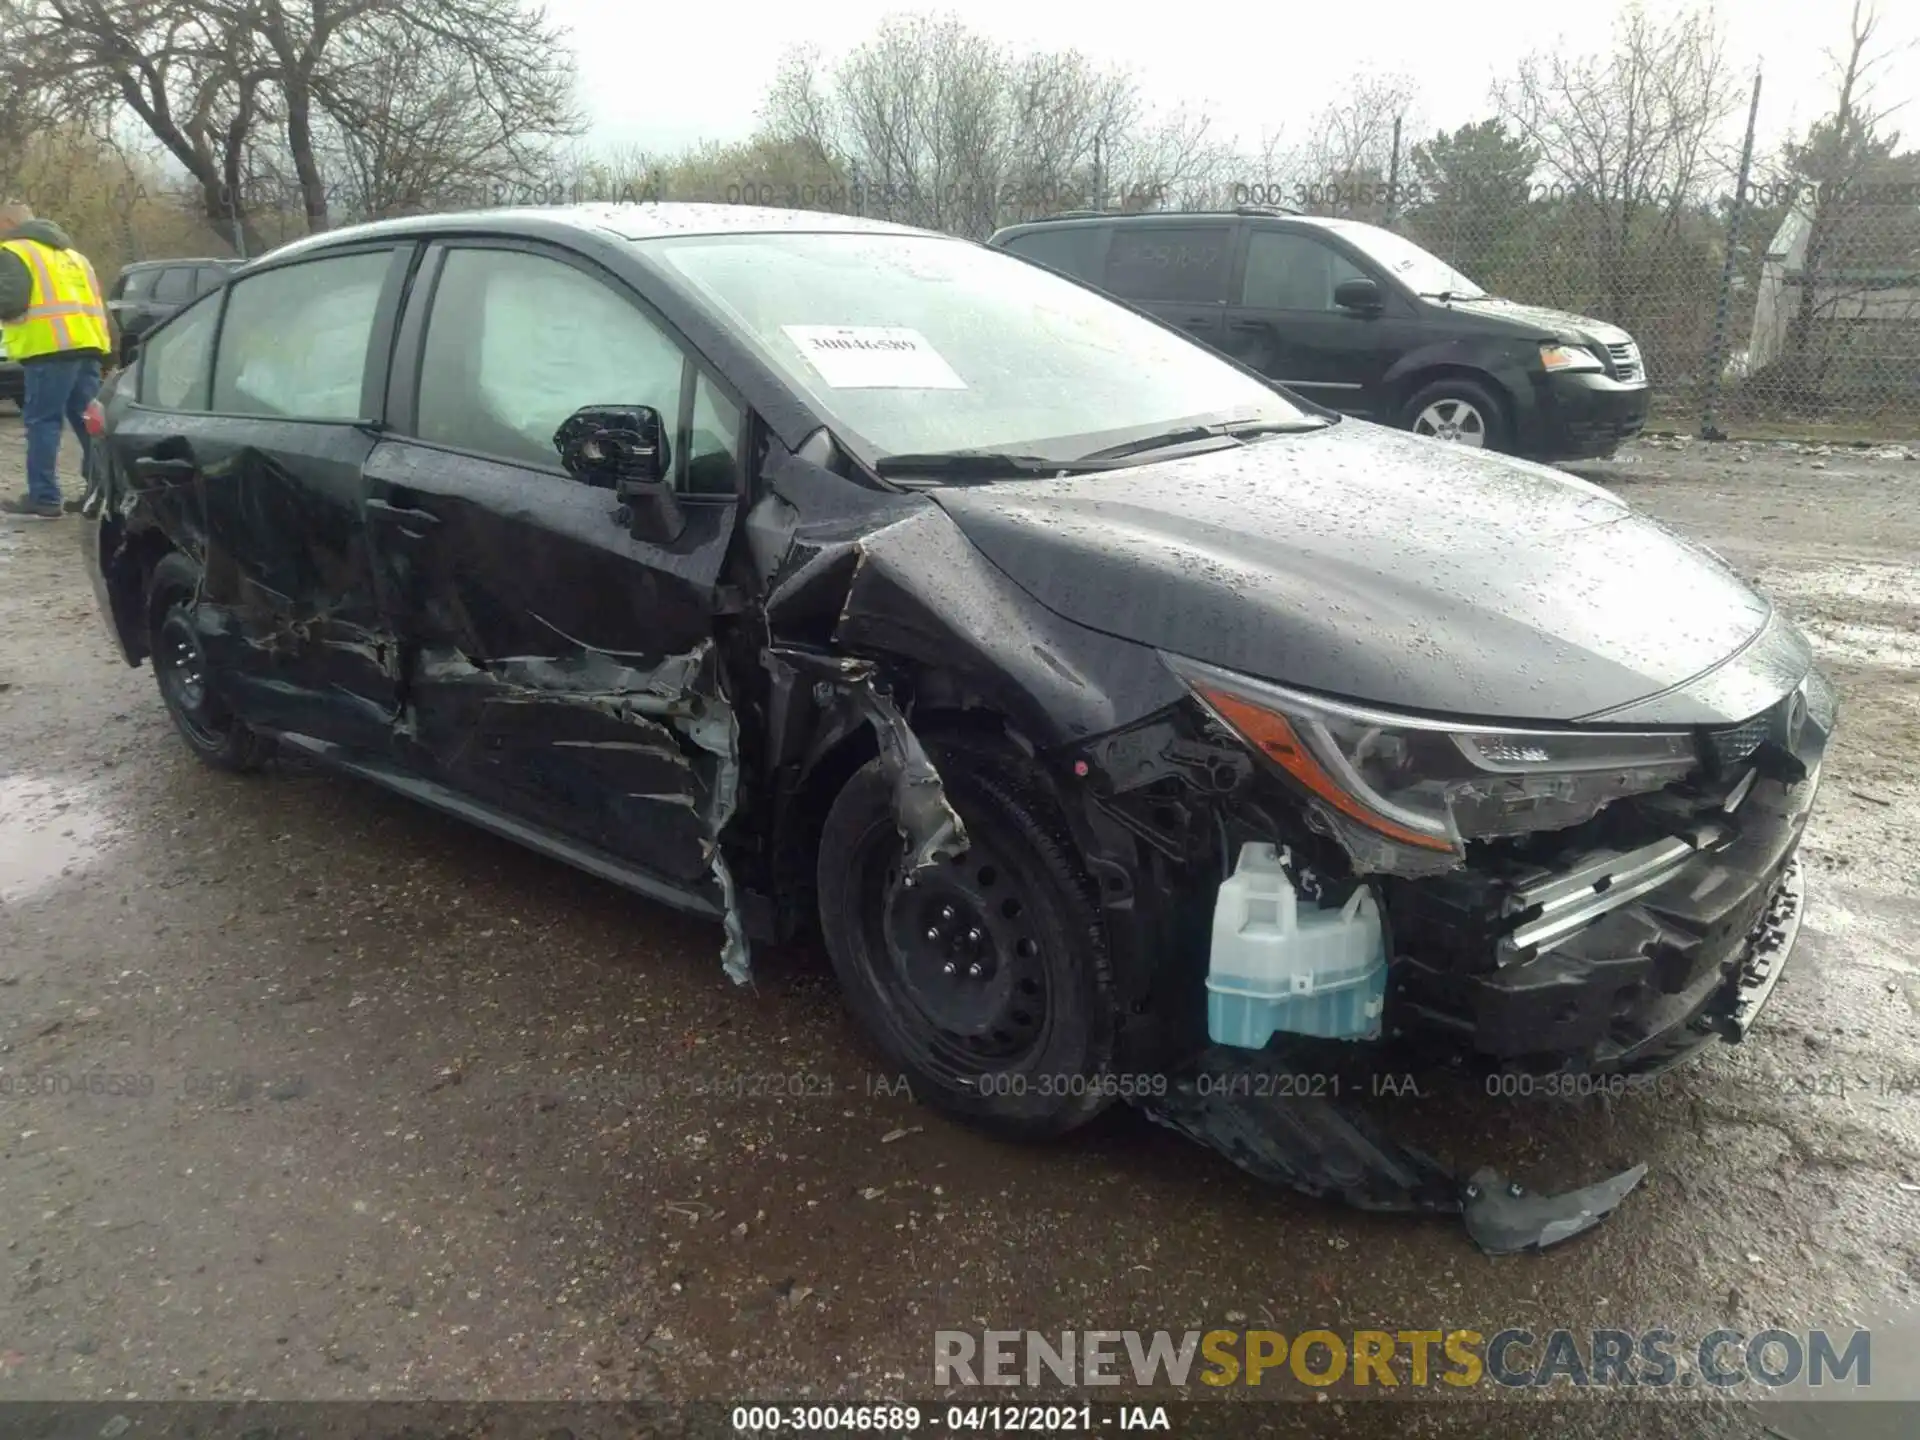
(624, 448)
(1357, 295)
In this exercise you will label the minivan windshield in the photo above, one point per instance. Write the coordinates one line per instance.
(923, 345)
(1420, 271)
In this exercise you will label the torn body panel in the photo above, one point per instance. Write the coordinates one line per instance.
(640, 761)
(929, 826)
(1326, 1149)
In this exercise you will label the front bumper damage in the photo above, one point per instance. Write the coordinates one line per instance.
(1247, 1111)
(1616, 947)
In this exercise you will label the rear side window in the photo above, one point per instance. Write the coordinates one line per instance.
(1079, 251)
(1290, 271)
(206, 277)
(295, 340)
(1170, 262)
(175, 285)
(173, 361)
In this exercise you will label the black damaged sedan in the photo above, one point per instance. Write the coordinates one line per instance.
(1111, 713)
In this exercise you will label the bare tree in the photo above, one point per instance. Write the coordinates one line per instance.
(402, 94)
(1355, 151)
(411, 123)
(943, 127)
(190, 74)
(412, 94)
(1629, 134)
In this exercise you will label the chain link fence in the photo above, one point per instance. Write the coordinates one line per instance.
(1781, 309)
(1777, 309)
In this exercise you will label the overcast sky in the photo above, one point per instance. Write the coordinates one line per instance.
(665, 76)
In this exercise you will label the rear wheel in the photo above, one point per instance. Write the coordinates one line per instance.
(180, 669)
(1457, 410)
(984, 979)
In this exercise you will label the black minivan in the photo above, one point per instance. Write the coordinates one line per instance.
(1363, 321)
(827, 577)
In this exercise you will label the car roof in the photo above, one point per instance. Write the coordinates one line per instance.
(638, 221)
(179, 260)
(1148, 218)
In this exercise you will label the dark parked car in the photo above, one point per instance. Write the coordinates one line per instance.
(815, 573)
(145, 293)
(1365, 321)
(13, 380)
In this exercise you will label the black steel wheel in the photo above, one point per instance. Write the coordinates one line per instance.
(983, 977)
(187, 686)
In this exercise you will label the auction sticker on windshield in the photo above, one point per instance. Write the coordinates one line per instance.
(873, 357)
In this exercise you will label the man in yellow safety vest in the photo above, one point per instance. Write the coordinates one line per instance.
(54, 323)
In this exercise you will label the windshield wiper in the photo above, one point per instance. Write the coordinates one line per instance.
(1447, 296)
(1188, 434)
(975, 465)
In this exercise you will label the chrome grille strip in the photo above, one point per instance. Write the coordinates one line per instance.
(1570, 902)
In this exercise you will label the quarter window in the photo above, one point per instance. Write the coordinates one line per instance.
(173, 361)
(295, 340)
(1169, 262)
(712, 449)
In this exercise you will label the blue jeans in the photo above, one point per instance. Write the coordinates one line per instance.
(59, 389)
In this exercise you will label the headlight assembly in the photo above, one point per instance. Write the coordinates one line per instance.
(1434, 784)
(1569, 357)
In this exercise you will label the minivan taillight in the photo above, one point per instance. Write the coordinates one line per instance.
(96, 419)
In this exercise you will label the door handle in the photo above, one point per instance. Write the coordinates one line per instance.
(1246, 325)
(415, 523)
(402, 512)
(149, 467)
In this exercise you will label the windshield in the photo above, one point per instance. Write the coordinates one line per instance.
(1419, 271)
(917, 344)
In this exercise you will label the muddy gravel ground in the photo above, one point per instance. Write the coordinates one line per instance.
(313, 1093)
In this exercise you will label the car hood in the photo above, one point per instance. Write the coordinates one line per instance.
(1548, 324)
(1362, 562)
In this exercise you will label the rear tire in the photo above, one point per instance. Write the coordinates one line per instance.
(986, 982)
(212, 732)
(1460, 411)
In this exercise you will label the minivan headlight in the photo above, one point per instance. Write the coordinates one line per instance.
(1434, 784)
(1569, 357)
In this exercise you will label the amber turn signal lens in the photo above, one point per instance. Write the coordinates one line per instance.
(1274, 737)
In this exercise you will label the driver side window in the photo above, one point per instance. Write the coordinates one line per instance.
(1290, 271)
(517, 342)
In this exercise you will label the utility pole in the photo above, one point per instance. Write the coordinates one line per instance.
(1717, 354)
(1393, 174)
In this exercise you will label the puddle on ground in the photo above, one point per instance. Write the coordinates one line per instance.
(49, 830)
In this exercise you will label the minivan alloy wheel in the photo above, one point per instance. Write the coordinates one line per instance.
(1452, 419)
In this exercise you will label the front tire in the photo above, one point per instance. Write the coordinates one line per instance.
(1460, 411)
(986, 981)
(212, 732)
